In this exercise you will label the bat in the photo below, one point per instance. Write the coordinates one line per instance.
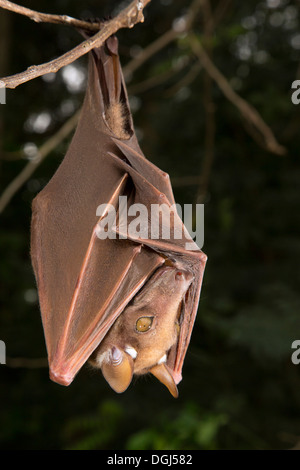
(126, 303)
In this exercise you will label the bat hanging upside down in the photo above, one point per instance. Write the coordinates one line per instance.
(125, 303)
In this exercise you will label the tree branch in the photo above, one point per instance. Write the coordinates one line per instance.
(246, 109)
(47, 18)
(127, 18)
(153, 81)
(188, 78)
(168, 37)
(209, 106)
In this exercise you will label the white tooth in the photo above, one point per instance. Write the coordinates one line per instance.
(131, 351)
(162, 359)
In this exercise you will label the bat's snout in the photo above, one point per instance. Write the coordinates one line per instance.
(179, 279)
(183, 278)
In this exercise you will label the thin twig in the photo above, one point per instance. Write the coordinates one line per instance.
(157, 79)
(219, 13)
(210, 125)
(149, 51)
(127, 18)
(151, 82)
(48, 18)
(246, 109)
(210, 20)
(188, 78)
(168, 37)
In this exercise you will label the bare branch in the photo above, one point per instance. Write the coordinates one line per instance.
(47, 18)
(150, 82)
(150, 50)
(127, 18)
(188, 78)
(168, 37)
(219, 13)
(209, 106)
(246, 109)
(157, 79)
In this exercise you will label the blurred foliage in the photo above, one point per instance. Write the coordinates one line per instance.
(191, 429)
(88, 432)
(240, 389)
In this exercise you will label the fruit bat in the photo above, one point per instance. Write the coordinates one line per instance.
(126, 303)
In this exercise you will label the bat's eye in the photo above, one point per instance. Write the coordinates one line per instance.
(143, 324)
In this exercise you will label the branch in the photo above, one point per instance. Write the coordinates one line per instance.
(151, 82)
(157, 79)
(210, 124)
(127, 18)
(246, 109)
(46, 18)
(220, 11)
(186, 80)
(150, 50)
(168, 37)
(210, 20)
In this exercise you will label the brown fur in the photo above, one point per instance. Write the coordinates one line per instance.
(116, 120)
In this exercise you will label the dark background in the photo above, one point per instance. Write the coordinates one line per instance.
(240, 389)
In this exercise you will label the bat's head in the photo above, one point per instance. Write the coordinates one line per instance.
(140, 339)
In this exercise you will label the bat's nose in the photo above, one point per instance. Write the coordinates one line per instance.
(183, 278)
(174, 278)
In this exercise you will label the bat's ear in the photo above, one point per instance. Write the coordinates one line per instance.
(117, 369)
(163, 374)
